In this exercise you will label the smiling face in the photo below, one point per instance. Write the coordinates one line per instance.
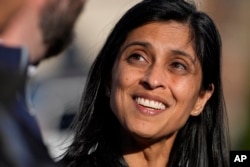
(156, 81)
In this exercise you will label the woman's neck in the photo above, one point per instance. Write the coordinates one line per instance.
(147, 153)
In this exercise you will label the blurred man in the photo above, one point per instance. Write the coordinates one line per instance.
(43, 26)
(30, 31)
(8, 8)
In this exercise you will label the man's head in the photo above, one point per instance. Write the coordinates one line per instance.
(57, 21)
(8, 8)
(45, 27)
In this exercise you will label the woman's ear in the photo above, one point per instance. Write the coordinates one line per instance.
(202, 100)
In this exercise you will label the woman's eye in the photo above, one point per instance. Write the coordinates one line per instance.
(179, 66)
(133, 58)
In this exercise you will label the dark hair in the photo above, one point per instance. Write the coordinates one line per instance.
(203, 141)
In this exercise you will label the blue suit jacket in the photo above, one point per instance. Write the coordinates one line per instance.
(21, 143)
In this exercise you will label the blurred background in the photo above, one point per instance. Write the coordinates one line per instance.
(56, 86)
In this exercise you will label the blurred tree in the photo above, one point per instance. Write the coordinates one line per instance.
(233, 20)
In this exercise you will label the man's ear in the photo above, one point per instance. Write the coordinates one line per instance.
(202, 100)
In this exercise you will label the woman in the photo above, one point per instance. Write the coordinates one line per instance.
(154, 95)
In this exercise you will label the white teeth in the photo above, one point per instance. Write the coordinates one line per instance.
(150, 103)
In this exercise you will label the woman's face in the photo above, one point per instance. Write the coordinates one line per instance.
(156, 81)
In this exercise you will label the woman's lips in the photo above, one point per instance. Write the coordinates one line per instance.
(150, 103)
(149, 107)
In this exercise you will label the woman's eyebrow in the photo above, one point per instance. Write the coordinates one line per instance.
(175, 52)
(140, 43)
(178, 52)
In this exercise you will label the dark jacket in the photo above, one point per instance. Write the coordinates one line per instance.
(21, 143)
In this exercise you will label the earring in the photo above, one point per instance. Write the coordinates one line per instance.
(195, 113)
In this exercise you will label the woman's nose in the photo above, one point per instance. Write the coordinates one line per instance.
(154, 78)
